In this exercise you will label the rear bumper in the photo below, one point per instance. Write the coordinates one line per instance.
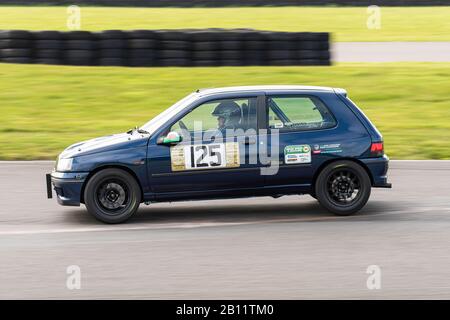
(378, 168)
(67, 186)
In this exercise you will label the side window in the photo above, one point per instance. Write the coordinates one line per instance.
(298, 113)
(222, 114)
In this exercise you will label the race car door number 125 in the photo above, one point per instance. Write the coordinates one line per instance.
(204, 156)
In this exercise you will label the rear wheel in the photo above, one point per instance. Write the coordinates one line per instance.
(112, 195)
(343, 187)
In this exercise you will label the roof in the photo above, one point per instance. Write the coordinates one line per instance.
(265, 88)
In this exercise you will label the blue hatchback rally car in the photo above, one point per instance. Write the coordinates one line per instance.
(228, 143)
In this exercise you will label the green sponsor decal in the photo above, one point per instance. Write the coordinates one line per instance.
(303, 148)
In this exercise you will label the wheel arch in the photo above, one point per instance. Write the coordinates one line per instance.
(326, 163)
(100, 168)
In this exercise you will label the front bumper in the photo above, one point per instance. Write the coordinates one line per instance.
(67, 186)
(378, 168)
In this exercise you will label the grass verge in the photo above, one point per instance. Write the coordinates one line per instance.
(43, 109)
(346, 23)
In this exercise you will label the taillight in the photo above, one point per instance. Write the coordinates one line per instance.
(376, 149)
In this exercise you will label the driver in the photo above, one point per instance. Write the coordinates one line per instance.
(228, 115)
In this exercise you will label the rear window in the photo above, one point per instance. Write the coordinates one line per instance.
(296, 113)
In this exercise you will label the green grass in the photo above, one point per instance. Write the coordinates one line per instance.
(43, 109)
(346, 23)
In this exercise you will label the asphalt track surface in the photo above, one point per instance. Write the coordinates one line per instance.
(391, 51)
(231, 249)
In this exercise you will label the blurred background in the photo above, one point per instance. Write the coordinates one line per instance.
(45, 107)
(394, 61)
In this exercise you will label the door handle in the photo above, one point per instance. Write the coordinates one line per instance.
(248, 141)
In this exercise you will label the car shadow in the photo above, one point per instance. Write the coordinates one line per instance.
(240, 211)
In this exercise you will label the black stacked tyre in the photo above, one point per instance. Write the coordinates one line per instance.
(16, 46)
(205, 48)
(174, 48)
(254, 49)
(112, 47)
(80, 48)
(231, 47)
(48, 47)
(281, 48)
(312, 48)
(142, 48)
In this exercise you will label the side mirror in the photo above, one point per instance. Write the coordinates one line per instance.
(171, 138)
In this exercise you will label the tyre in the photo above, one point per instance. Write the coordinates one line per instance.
(111, 62)
(231, 63)
(49, 44)
(174, 62)
(142, 54)
(313, 45)
(15, 43)
(16, 34)
(142, 43)
(174, 45)
(79, 54)
(15, 53)
(80, 45)
(79, 57)
(17, 60)
(280, 45)
(78, 35)
(279, 55)
(141, 62)
(48, 54)
(110, 34)
(231, 45)
(112, 44)
(112, 53)
(343, 187)
(112, 195)
(141, 34)
(203, 35)
(313, 62)
(47, 35)
(173, 54)
(206, 46)
(170, 35)
(255, 45)
(231, 55)
(206, 55)
(206, 63)
(282, 62)
(311, 36)
(49, 61)
(312, 54)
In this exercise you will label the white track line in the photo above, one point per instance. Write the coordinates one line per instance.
(200, 224)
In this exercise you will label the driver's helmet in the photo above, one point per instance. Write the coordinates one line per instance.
(230, 111)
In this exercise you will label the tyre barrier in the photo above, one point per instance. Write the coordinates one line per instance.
(146, 48)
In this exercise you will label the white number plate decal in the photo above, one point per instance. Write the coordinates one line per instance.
(205, 156)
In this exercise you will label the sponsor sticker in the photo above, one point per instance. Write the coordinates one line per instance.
(297, 154)
(327, 148)
(204, 156)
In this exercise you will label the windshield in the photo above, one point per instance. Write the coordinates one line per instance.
(164, 116)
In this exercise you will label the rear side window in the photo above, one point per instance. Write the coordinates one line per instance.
(296, 113)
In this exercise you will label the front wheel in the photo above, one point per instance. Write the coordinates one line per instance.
(343, 187)
(112, 195)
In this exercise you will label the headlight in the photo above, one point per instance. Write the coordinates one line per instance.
(64, 164)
